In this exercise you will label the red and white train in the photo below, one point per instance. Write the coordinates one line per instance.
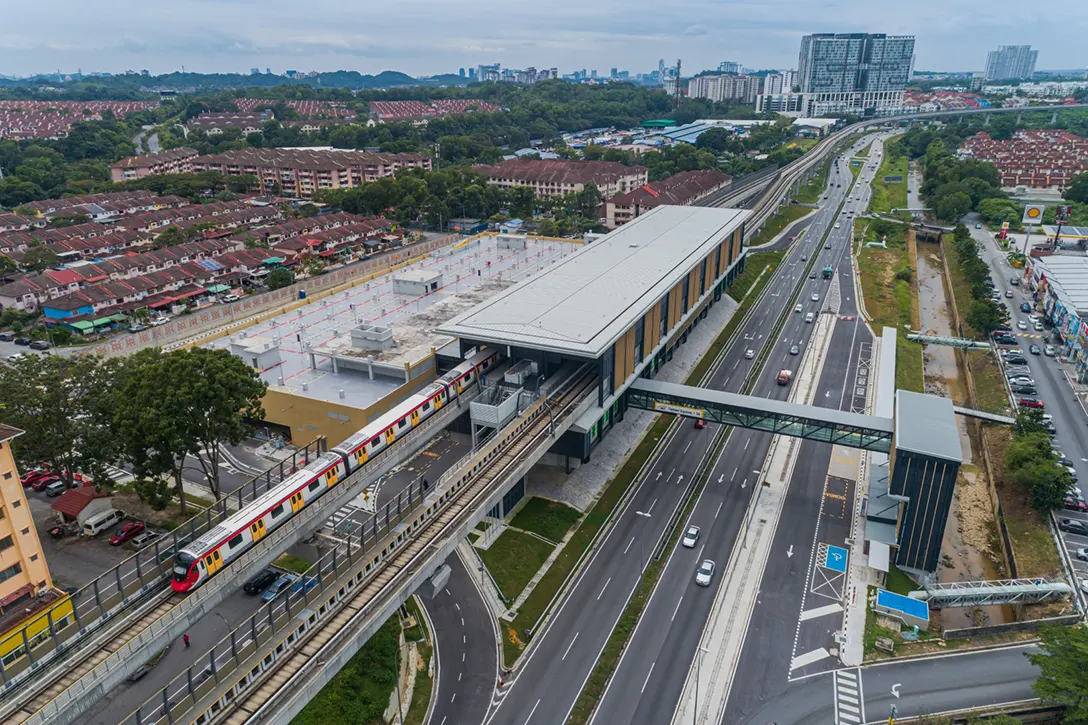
(203, 558)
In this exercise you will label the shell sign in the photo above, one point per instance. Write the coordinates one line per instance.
(1033, 213)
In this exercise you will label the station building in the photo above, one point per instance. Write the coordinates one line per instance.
(622, 304)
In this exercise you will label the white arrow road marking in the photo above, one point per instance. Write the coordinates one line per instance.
(789, 551)
(895, 689)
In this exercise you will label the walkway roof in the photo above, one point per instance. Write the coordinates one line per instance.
(926, 424)
(583, 304)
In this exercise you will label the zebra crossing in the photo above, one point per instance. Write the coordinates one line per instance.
(365, 502)
(849, 704)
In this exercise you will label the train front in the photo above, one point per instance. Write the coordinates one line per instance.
(186, 573)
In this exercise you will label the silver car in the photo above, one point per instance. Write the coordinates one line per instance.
(704, 573)
(691, 537)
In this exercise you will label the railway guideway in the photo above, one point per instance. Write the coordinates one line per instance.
(267, 669)
(89, 675)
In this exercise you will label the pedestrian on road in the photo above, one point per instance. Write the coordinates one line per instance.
(185, 639)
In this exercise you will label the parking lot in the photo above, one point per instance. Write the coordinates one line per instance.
(74, 561)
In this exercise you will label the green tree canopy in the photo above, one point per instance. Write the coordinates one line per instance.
(1062, 665)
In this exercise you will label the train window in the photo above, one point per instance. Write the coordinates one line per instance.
(238, 539)
(277, 511)
(314, 486)
(426, 406)
(216, 554)
(401, 423)
(208, 560)
(375, 443)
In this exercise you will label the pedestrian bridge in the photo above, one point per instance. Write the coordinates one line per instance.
(868, 432)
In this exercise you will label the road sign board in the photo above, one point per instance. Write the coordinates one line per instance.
(836, 559)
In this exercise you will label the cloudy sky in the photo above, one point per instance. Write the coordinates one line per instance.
(423, 37)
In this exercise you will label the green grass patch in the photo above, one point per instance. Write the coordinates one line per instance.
(550, 519)
(360, 691)
(899, 582)
(890, 196)
(290, 562)
(989, 382)
(513, 559)
(864, 153)
(753, 268)
(774, 226)
(811, 192)
(421, 695)
(419, 632)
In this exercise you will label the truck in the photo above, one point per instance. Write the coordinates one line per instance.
(828, 272)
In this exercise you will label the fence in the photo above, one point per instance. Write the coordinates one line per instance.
(991, 629)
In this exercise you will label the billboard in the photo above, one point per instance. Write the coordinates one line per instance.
(1062, 213)
(1033, 213)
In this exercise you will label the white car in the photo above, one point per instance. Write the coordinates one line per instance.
(159, 321)
(1049, 351)
(705, 573)
(749, 354)
(229, 298)
(1021, 325)
(1021, 380)
(815, 297)
(1038, 327)
(691, 537)
(797, 308)
(837, 225)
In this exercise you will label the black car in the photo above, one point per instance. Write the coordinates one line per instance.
(1073, 526)
(21, 341)
(39, 345)
(7, 336)
(1016, 360)
(260, 581)
(1024, 389)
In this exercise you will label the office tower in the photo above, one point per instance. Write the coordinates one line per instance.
(1011, 62)
(854, 73)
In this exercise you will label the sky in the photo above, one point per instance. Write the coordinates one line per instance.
(425, 37)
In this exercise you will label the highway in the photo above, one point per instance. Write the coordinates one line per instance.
(549, 681)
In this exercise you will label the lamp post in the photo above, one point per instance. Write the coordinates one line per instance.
(642, 556)
(698, 674)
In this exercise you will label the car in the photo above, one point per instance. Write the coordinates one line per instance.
(1016, 359)
(1074, 503)
(1021, 325)
(126, 533)
(1002, 328)
(749, 354)
(1082, 553)
(259, 581)
(7, 336)
(797, 308)
(1049, 351)
(1074, 526)
(1038, 327)
(1030, 403)
(1014, 281)
(1073, 475)
(828, 245)
(1008, 293)
(705, 573)
(1024, 389)
(815, 297)
(15, 357)
(1025, 307)
(1034, 349)
(837, 225)
(24, 341)
(137, 327)
(58, 487)
(804, 257)
(1005, 339)
(795, 350)
(1062, 459)
(229, 298)
(691, 536)
(784, 377)
(812, 275)
(39, 345)
(159, 321)
(304, 585)
(281, 582)
(44, 482)
(143, 539)
(700, 423)
(1022, 379)
(978, 226)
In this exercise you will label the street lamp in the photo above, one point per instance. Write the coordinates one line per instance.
(642, 556)
(698, 674)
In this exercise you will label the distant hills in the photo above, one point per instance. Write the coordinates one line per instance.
(212, 81)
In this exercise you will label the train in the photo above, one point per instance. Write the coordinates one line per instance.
(204, 557)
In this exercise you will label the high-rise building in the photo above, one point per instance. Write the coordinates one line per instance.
(728, 66)
(782, 81)
(724, 88)
(23, 572)
(461, 72)
(1011, 62)
(612, 74)
(860, 73)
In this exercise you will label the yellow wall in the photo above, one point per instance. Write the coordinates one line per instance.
(15, 519)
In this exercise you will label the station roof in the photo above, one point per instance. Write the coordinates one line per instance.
(582, 305)
(926, 424)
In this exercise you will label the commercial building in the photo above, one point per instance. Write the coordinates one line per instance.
(724, 88)
(301, 172)
(171, 161)
(860, 73)
(681, 189)
(23, 571)
(622, 305)
(1011, 63)
(1060, 283)
(555, 177)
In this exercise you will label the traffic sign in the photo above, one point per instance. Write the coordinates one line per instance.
(836, 559)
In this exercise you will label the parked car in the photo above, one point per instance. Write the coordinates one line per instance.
(1025, 307)
(137, 327)
(144, 538)
(284, 581)
(1049, 351)
(1016, 360)
(159, 321)
(15, 357)
(230, 298)
(126, 533)
(1020, 379)
(44, 482)
(1074, 526)
(58, 487)
(39, 345)
(22, 341)
(1050, 429)
(1035, 350)
(1024, 389)
(303, 585)
(31, 476)
(705, 573)
(7, 336)
(259, 581)
(691, 536)
(1031, 403)
(1082, 553)
(1073, 503)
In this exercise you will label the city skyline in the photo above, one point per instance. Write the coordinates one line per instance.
(418, 39)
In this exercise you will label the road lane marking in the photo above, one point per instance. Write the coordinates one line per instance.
(531, 712)
(458, 606)
(629, 544)
(700, 556)
(808, 658)
(569, 646)
(603, 588)
(734, 473)
(821, 611)
(719, 509)
(747, 442)
(687, 447)
(673, 617)
(644, 683)
(651, 509)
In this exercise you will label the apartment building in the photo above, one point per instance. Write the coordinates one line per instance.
(724, 88)
(555, 177)
(861, 73)
(781, 82)
(23, 571)
(681, 189)
(171, 161)
(302, 172)
(1011, 63)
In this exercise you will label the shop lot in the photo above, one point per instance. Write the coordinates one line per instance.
(74, 561)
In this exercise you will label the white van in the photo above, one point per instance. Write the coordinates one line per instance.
(98, 523)
(809, 317)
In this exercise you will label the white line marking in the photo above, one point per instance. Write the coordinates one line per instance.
(677, 609)
(462, 621)
(455, 697)
(747, 442)
(651, 509)
(821, 611)
(459, 676)
(646, 681)
(734, 473)
(603, 588)
(569, 646)
(700, 556)
(458, 606)
(629, 544)
(719, 509)
(531, 712)
(809, 657)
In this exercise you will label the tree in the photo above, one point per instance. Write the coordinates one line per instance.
(308, 210)
(39, 259)
(953, 206)
(169, 237)
(1078, 189)
(983, 316)
(546, 228)
(279, 277)
(1062, 665)
(243, 183)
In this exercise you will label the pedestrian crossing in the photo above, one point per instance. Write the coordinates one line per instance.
(364, 502)
(849, 705)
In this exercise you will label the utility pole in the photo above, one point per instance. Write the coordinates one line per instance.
(676, 91)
